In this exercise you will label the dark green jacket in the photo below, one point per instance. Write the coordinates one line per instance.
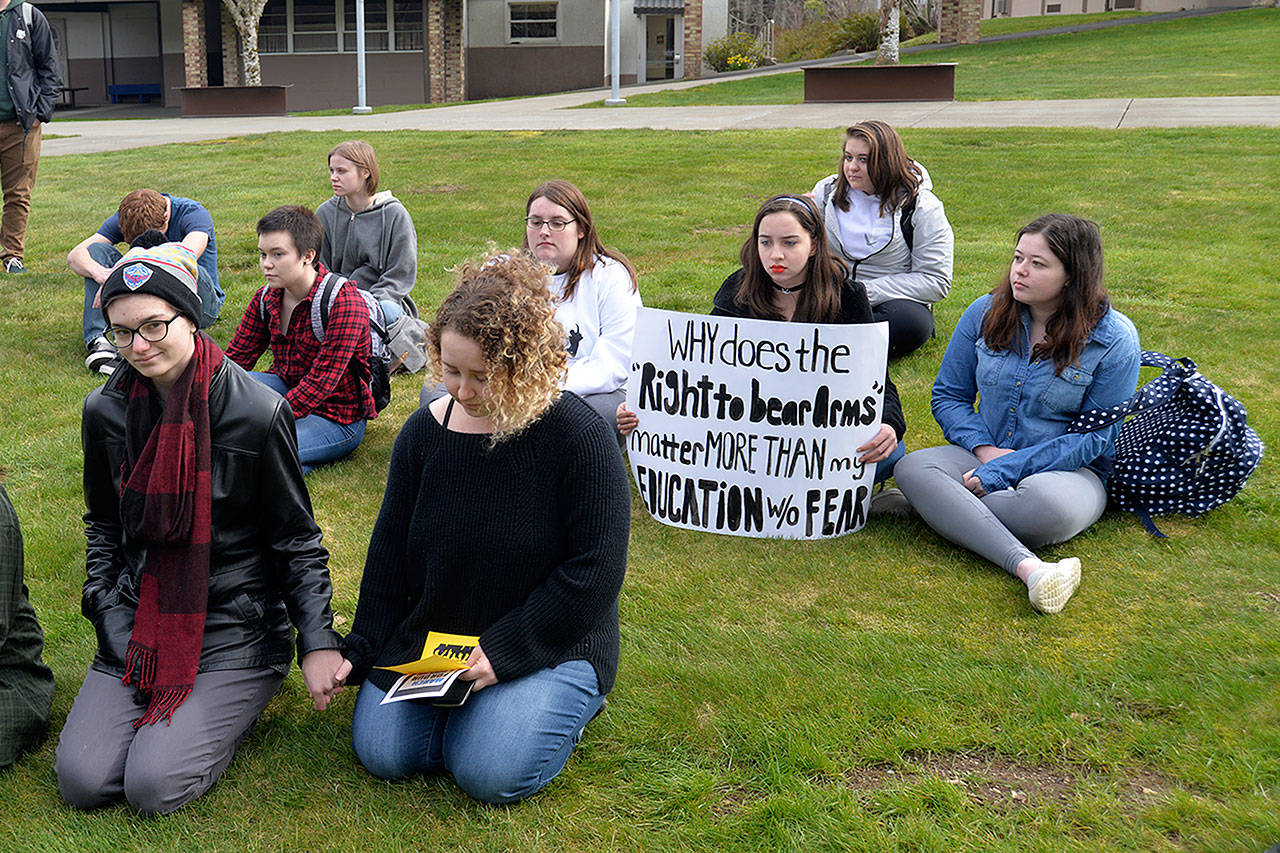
(26, 684)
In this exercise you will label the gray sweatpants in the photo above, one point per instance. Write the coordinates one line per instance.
(159, 767)
(1003, 527)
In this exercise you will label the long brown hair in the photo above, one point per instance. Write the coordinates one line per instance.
(590, 247)
(1077, 243)
(894, 177)
(819, 300)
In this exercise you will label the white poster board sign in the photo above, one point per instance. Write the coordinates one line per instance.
(750, 427)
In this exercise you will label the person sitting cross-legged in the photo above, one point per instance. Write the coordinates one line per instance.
(325, 381)
(181, 220)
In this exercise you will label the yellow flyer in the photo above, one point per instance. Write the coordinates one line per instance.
(440, 653)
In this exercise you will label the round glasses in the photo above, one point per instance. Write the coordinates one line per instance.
(535, 223)
(152, 331)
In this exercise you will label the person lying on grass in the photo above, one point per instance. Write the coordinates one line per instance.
(201, 551)
(789, 274)
(506, 517)
(1043, 346)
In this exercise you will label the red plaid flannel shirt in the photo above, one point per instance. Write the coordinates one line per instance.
(329, 379)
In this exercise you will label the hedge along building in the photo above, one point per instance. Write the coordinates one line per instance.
(417, 51)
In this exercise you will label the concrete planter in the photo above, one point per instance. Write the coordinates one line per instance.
(858, 83)
(233, 100)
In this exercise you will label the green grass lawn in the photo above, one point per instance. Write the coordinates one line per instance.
(1234, 53)
(882, 691)
(1007, 26)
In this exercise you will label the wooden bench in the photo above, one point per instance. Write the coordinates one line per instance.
(144, 92)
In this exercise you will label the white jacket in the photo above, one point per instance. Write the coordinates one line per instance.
(921, 274)
(599, 323)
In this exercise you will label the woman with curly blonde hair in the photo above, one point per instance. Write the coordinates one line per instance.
(506, 517)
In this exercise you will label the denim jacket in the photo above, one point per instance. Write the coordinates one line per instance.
(1022, 405)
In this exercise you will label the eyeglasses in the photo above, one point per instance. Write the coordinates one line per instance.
(152, 331)
(535, 224)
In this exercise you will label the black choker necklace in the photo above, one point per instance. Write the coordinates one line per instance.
(788, 290)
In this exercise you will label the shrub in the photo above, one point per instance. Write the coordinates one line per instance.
(857, 33)
(733, 52)
(808, 41)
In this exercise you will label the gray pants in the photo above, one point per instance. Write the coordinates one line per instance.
(159, 767)
(1044, 508)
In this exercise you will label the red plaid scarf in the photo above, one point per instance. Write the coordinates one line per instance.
(166, 501)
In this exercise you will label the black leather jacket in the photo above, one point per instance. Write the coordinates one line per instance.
(267, 568)
(34, 80)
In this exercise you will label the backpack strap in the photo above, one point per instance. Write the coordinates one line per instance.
(1155, 393)
(322, 304)
(27, 14)
(906, 223)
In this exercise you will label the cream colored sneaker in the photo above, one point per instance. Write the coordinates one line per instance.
(1050, 587)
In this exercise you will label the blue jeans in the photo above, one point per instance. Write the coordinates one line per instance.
(884, 468)
(211, 295)
(391, 311)
(320, 440)
(506, 743)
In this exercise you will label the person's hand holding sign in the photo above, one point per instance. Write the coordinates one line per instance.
(879, 447)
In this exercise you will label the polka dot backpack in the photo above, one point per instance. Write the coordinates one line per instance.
(1185, 447)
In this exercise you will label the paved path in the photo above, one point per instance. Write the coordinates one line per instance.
(552, 113)
(555, 112)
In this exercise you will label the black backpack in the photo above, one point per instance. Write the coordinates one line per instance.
(1186, 448)
(379, 353)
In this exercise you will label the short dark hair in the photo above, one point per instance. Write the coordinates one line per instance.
(303, 226)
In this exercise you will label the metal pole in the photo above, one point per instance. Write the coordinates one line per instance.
(361, 107)
(615, 51)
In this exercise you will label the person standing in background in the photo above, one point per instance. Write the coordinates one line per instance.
(32, 81)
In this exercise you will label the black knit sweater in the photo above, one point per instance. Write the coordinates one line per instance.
(523, 544)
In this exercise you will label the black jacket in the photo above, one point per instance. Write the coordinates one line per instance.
(854, 308)
(267, 568)
(34, 80)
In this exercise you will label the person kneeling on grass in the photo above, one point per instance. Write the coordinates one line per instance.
(201, 551)
(326, 382)
(506, 517)
(1042, 347)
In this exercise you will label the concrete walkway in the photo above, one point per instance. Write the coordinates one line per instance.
(555, 112)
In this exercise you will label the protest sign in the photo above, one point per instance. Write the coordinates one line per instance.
(750, 427)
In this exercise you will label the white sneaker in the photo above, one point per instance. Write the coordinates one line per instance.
(102, 356)
(1051, 586)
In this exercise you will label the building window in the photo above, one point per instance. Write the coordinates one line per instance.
(529, 21)
(329, 26)
(409, 24)
(1053, 7)
(375, 26)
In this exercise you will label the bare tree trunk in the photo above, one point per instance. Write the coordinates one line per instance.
(246, 14)
(888, 51)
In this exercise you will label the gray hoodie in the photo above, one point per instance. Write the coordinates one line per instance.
(376, 248)
(922, 273)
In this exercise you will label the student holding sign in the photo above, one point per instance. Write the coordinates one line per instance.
(884, 220)
(506, 517)
(788, 273)
(1042, 347)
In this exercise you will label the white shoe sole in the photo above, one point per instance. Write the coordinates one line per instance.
(1055, 586)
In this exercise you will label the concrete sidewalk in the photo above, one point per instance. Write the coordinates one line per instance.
(552, 112)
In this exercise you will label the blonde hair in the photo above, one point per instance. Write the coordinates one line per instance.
(503, 304)
(361, 155)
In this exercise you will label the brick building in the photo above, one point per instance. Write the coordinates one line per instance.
(417, 51)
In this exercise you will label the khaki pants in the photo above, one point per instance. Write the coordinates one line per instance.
(19, 158)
